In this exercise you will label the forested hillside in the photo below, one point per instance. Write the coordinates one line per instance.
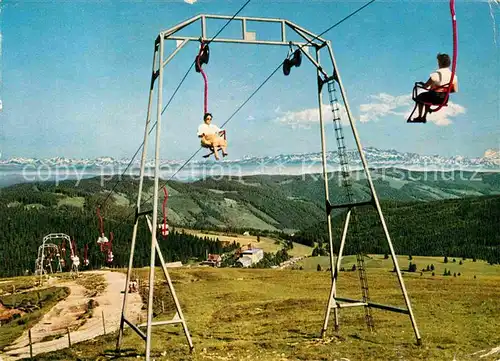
(22, 231)
(467, 227)
(427, 213)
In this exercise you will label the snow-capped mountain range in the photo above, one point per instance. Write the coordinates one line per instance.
(377, 158)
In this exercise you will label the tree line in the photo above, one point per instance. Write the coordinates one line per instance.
(22, 231)
(467, 227)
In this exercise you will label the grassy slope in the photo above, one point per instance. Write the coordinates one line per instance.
(271, 315)
(260, 202)
(78, 202)
(17, 284)
(467, 269)
(266, 243)
(45, 299)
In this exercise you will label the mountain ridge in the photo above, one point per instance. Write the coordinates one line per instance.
(375, 156)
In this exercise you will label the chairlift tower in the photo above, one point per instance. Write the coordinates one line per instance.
(47, 250)
(43, 263)
(309, 44)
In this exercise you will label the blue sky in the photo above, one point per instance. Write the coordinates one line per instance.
(75, 77)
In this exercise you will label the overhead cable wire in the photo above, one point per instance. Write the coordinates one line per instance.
(342, 20)
(227, 23)
(194, 62)
(168, 103)
(260, 87)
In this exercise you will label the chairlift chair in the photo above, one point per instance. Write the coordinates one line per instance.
(222, 134)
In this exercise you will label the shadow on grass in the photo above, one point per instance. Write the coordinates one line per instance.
(112, 354)
(304, 334)
(365, 339)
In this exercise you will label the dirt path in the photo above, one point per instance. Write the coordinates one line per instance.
(65, 314)
(487, 353)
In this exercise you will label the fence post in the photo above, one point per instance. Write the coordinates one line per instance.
(162, 306)
(69, 337)
(103, 322)
(31, 344)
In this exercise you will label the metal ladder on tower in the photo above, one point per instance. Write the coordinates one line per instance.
(364, 288)
(347, 184)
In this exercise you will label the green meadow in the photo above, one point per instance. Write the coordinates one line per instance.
(271, 315)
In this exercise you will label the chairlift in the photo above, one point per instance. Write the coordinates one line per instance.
(164, 229)
(102, 239)
(85, 256)
(294, 58)
(445, 89)
(76, 261)
(203, 58)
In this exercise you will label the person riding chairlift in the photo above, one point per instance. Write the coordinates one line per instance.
(210, 135)
(437, 86)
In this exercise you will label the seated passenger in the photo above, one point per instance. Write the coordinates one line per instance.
(210, 136)
(437, 86)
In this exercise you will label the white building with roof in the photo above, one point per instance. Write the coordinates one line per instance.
(245, 261)
(255, 254)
